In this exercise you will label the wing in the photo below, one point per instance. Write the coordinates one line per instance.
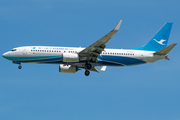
(96, 48)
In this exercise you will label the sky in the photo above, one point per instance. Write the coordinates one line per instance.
(142, 92)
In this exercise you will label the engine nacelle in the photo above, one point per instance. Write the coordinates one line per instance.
(70, 57)
(67, 68)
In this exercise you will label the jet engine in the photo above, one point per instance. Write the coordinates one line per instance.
(67, 68)
(70, 57)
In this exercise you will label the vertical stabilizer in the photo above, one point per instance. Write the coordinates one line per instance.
(159, 40)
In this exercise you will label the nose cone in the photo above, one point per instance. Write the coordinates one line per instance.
(5, 55)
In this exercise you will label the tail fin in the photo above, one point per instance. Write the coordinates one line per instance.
(160, 39)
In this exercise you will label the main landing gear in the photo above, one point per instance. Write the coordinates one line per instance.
(87, 73)
(88, 67)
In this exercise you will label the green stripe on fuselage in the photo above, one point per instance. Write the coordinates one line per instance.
(31, 58)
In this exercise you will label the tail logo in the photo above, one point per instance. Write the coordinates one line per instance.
(160, 42)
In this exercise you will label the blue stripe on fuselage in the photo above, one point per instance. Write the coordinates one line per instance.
(106, 60)
(121, 60)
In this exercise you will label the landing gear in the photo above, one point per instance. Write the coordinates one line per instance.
(19, 66)
(87, 73)
(88, 65)
(16, 62)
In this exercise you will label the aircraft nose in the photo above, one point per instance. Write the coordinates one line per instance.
(5, 55)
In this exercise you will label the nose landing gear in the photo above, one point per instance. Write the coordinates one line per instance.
(19, 66)
(16, 62)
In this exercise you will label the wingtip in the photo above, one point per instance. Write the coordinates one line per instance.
(118, 26)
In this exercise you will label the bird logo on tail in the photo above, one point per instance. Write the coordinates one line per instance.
(160, 42)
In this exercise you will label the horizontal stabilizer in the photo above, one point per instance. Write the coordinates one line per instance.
(167, 58)
(165, 50)
(103, 68)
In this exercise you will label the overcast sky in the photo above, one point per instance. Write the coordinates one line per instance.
(40, 92)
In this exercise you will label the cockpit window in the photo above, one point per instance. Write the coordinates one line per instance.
(13, 49)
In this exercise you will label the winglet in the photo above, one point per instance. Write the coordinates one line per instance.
(117, 26)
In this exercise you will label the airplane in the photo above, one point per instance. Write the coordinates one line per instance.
(72, 59)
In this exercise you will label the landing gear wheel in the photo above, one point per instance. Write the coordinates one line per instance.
(19, 66)
(87, 72)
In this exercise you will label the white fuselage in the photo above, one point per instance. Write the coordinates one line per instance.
(54, 55)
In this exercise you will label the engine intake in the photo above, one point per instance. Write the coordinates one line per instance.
(67, 68)
(70, 57)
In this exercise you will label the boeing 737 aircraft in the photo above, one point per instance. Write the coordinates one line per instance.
(72, 59)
